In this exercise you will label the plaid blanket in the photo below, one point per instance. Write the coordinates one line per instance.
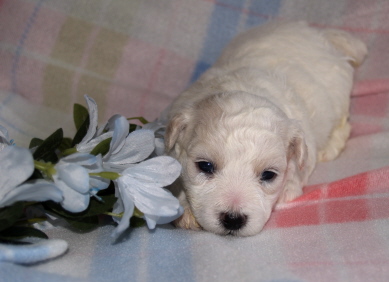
(133, 57)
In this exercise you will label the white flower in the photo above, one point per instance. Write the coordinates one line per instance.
(141, 186)
(158, 129)
(126, 149)
(4, 138)
(32, 253)
(92, 137)
(72, 178)
(17, 165)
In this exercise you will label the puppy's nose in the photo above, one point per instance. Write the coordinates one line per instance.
(233, 221)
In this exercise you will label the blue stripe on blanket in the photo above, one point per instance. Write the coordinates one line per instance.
(223, 26)
(262, 11)
(19, 47)
(117, 261)
(170, 250)
(163, 254)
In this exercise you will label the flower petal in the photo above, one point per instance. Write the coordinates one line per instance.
(149, 198)
(120, 127)
(33, 253)
(37, 191)
(161, 170)
(155, 200)
(80, 158)
(97, 166)
(4, 137)
(75, 176)
(93, 119)
(159, 146)
(138, 146)
(154, 126)
(152, 220)
(16, 166)
(87, 147)
(118, 207)
(73, 201)
(98, 183)
(90, 162)
(128, 204)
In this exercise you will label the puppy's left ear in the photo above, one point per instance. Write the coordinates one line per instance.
(297, 148)
(175, 129)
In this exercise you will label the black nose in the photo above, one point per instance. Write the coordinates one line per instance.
(233, 221)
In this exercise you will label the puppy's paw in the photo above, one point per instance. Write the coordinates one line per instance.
(187, 221)
(336, 142)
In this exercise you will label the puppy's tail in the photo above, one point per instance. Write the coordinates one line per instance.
(347, 44)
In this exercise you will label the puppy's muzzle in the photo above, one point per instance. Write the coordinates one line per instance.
(233, 221)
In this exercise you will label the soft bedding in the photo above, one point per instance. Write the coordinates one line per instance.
(133, 57)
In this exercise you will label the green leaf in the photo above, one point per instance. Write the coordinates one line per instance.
(19, 232)
(80, 114)
(84, 224)
(137, 222)
(46, 150)
(133, 127)
(35, 142)
(81, 132)
(95, 208)
(9, 215)
(141, 119)
(65, 144)
(101, 148)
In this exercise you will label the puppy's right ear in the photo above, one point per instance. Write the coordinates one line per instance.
(175, 130)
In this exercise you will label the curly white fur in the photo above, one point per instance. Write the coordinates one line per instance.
(276, 100)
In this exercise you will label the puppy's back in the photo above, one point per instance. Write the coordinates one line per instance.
(315, 64)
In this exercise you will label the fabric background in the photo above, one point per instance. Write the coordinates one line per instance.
(133, 57)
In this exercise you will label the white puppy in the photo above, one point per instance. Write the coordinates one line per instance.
(249, 132)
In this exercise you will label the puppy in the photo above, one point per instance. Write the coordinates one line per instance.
(249, 132)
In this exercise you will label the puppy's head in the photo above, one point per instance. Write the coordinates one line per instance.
(234, 149)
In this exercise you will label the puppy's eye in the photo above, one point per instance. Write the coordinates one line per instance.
(268, 175)
(206, 167)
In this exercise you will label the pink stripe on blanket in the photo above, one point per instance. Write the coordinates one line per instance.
(370, 87)
(376, 181)
(132, 77)
(358, 198)
(6, 64)
(29, 73)
(372, 105)
(11, 33)
(43, 34)
(29, 83)
(146, 69)
(365, 128)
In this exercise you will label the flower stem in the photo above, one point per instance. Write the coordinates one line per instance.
(114, 214)
(40, 165)
(106, 174)
(141, 119)
(69, 151)
(138, 213)
(47, 168)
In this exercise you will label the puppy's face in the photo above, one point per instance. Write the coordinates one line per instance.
(235, 153)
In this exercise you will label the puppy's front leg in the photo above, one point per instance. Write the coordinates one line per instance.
(187, 219)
